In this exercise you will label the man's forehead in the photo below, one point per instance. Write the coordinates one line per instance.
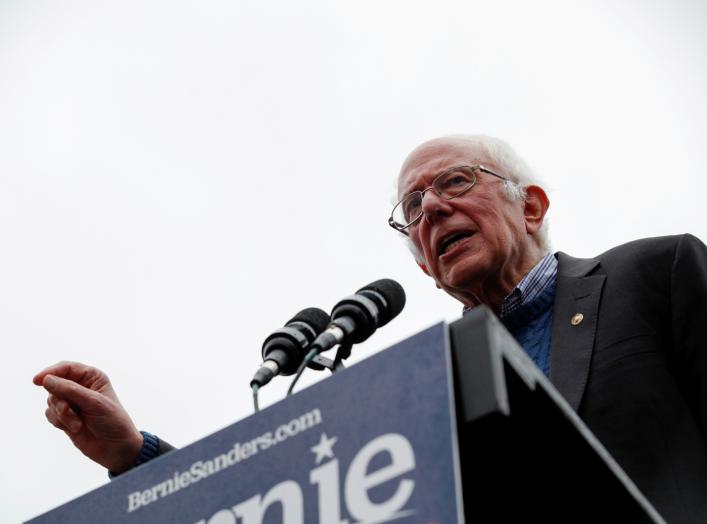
(437, 155)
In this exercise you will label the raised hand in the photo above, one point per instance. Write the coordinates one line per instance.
(83, 404)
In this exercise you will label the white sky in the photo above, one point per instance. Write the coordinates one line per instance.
(177, 179)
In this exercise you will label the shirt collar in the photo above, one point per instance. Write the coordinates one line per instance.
(543, 274)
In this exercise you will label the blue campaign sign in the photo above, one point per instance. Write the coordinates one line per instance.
(373, 443)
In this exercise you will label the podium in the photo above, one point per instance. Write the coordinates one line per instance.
(454, 424)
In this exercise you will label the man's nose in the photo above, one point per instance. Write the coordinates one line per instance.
(434, 206)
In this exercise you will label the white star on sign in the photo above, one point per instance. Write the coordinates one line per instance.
(323, 449)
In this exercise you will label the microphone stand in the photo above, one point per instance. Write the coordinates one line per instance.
(319, 362)
(342, 353)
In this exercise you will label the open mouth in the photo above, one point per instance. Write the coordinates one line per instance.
(453, 240)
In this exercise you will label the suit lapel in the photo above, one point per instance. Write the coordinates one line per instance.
(577, 293)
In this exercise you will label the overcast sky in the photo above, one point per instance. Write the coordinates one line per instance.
(177, 179)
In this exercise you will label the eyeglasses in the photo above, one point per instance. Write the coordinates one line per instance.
(449, 184)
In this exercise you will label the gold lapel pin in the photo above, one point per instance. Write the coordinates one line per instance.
(577, 319)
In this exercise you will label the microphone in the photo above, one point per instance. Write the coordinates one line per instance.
(355, 318)
(284, 349)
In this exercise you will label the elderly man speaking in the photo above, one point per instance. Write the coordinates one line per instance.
(619, 335)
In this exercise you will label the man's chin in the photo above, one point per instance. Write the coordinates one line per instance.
(462, 280)
(462, 275)
(461, 288)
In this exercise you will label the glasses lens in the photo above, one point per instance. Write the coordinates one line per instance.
(408, 209)
(455, 182)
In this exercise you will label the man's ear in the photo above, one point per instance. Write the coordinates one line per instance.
(423, 267)
(536, 205)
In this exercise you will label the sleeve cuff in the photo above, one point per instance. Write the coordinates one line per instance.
(149, 450)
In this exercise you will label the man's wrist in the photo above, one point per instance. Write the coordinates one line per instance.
(149, 449)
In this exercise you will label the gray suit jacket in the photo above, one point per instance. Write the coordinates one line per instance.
(635, 367)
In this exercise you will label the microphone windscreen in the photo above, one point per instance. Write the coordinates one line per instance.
(394, 296)
(316, 318)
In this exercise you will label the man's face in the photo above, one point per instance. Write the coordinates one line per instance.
(491, 239)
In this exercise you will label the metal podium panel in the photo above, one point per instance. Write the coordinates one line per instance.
(373, 443)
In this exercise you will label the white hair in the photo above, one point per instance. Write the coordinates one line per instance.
(512, 165)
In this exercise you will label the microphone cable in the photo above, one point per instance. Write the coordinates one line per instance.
(307, 359)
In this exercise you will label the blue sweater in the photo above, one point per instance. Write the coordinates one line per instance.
(531, 325)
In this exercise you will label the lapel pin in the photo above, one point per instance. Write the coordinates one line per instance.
(576, 319)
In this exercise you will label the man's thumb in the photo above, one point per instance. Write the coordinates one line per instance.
(74, 393)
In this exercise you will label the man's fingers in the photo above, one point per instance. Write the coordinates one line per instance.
(53, 419)
(62, 407)
(74, 371)
(66, 390)
(71, 421)
(57, 404)
(67, 421)
(60, 369)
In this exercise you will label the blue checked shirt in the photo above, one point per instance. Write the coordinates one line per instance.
(532, 285)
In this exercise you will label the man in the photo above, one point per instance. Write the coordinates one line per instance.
(617, 335)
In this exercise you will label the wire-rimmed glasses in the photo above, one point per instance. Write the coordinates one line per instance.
(449, 184)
